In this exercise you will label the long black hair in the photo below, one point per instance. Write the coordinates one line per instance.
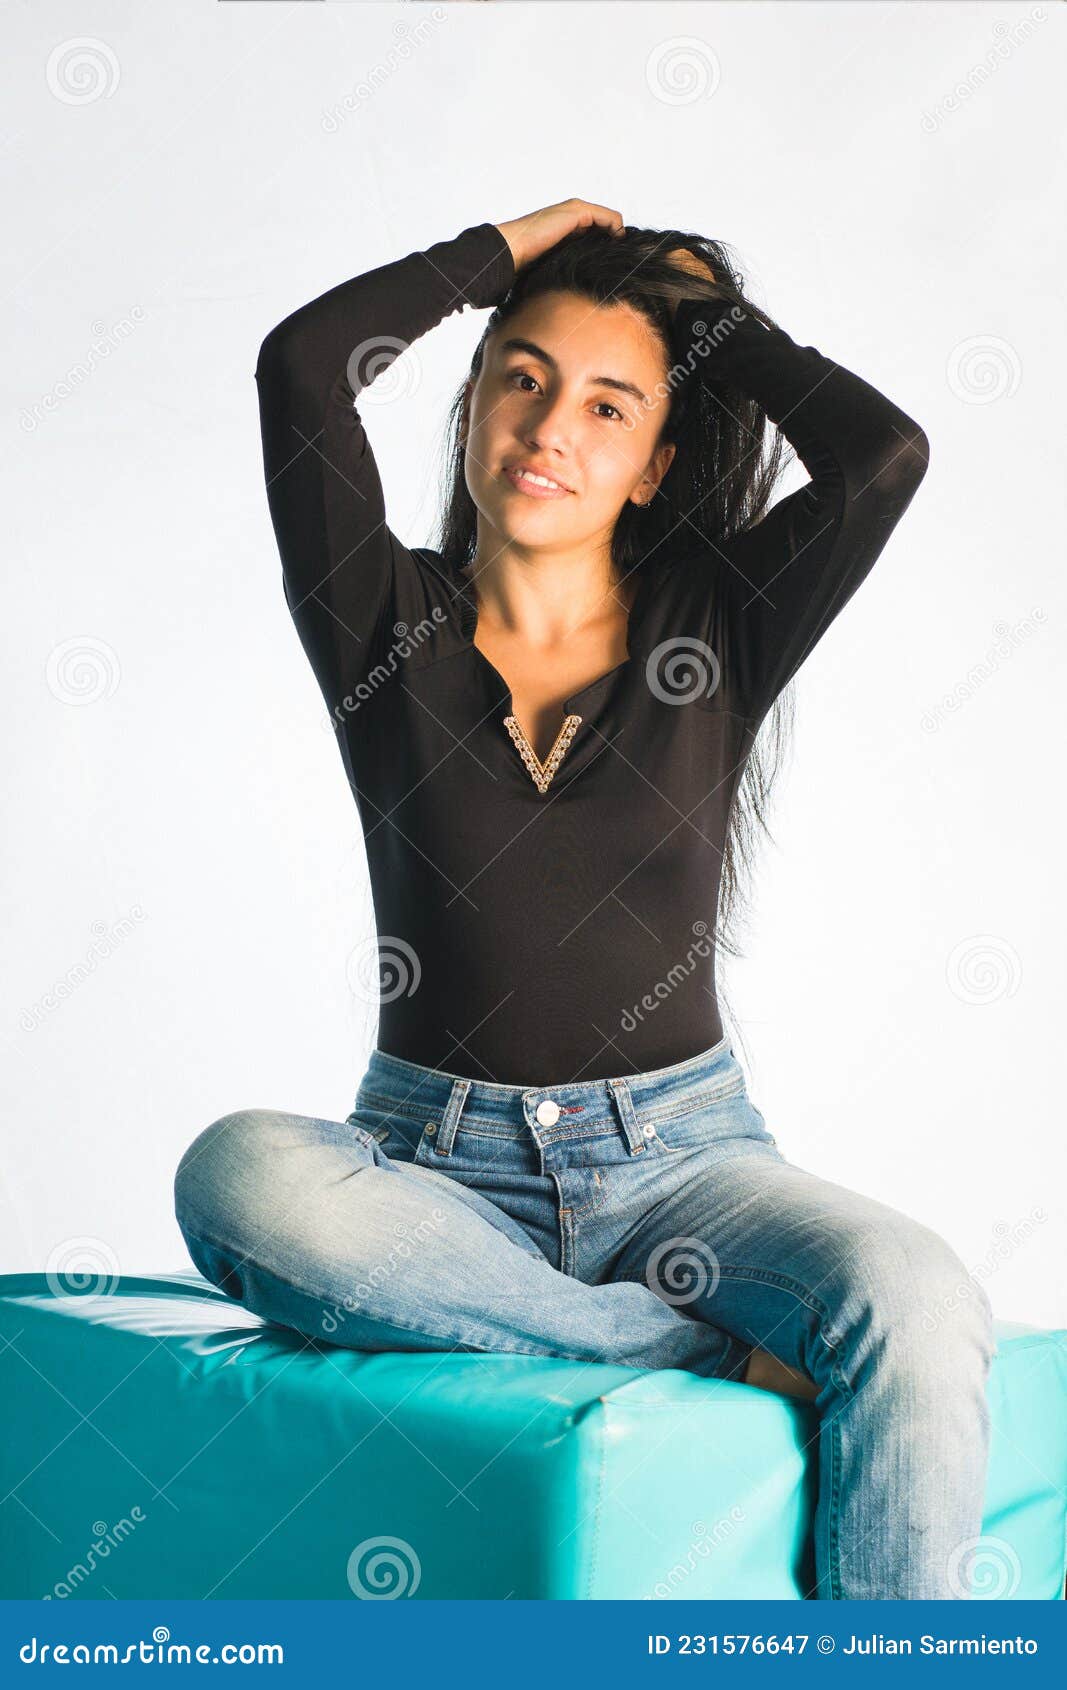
(727, 462)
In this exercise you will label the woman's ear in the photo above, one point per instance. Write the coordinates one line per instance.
(646, 490)
(664, 459)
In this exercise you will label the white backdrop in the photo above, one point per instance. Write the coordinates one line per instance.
(184, 879)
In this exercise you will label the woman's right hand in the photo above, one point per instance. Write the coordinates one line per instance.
(530, 236)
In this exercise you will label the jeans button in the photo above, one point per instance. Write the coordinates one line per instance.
(649, 1132)
(431, 1127)
(547, 1112)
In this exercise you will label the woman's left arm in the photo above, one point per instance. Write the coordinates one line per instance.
(786, 578)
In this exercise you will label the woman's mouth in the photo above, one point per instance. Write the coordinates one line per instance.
(534, 485)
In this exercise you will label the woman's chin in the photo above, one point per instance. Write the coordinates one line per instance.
(523, 519)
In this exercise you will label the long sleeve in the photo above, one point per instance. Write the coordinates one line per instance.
(785, 579)
(345, 573)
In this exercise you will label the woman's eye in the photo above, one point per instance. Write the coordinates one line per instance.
(610, 407)
(524, 375)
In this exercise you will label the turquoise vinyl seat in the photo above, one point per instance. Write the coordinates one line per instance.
(161, 1441)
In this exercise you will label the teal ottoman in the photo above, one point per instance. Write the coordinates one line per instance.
(160, 1441)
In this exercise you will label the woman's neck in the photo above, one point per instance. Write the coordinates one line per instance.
(543, 599)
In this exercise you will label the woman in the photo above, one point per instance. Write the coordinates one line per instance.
(549, 725)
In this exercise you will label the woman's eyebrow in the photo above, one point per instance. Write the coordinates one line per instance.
(517, 344)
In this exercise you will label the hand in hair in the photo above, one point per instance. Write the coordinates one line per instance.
(530, 236)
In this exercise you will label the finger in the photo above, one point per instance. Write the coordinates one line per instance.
(606, 218)
(588, 211)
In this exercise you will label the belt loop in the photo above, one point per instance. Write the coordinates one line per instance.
(624, 1103)
(446, 1132)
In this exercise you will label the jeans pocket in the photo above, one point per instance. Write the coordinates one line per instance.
(705, 1122)
(378, 1123)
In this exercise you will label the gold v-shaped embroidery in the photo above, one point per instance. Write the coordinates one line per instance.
(542, 773)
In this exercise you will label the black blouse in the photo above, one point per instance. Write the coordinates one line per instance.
(539, 927)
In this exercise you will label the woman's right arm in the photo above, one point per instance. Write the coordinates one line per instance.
(340, 561)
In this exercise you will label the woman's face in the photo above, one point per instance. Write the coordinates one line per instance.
(577, 393)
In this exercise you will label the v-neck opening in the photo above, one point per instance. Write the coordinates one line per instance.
(470, 607)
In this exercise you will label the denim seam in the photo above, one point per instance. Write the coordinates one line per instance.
(711, 1143)
(374, 1100)
(832, 1517)
(685, 1105)
(594, 1202)
(603, 1127)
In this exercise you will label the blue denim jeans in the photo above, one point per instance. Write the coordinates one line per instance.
(649, 1221)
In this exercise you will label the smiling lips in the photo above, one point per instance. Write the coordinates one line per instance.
(534, 484)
